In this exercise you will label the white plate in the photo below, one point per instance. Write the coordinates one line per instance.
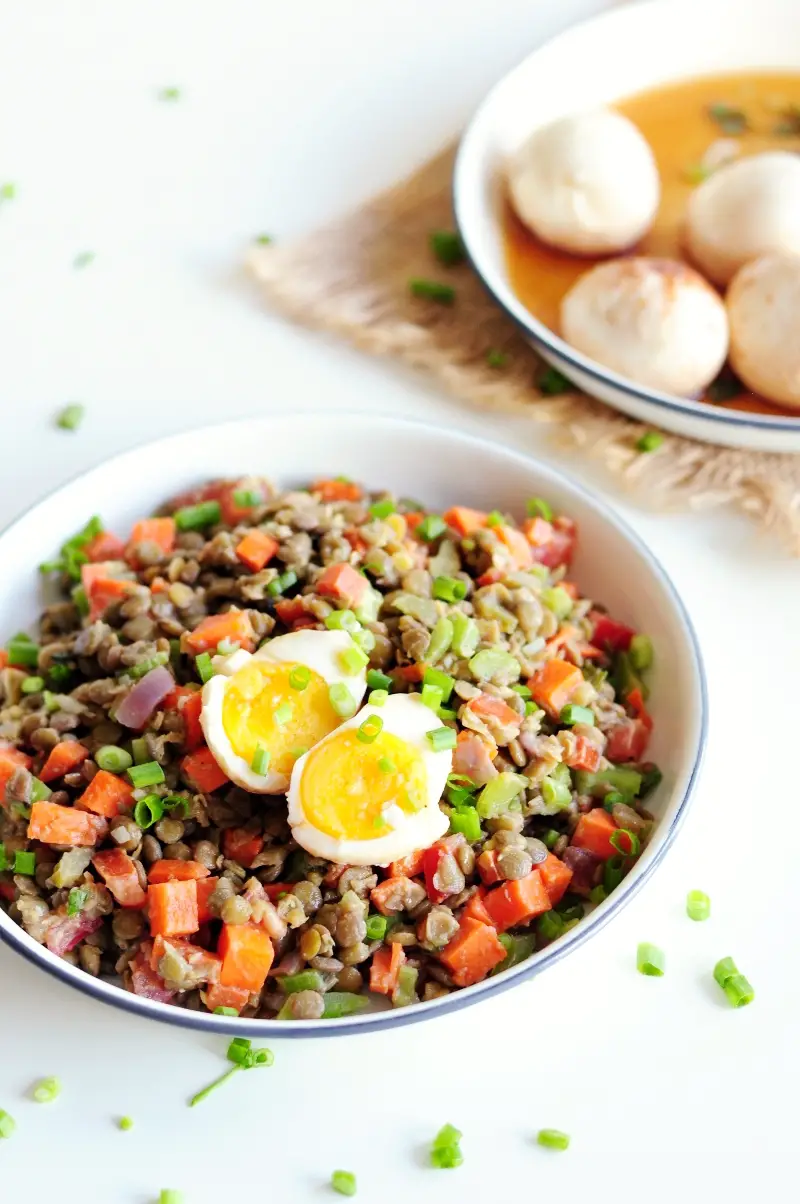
(600, 61)
(441, 468)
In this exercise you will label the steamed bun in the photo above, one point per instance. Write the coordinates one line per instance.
(654, 321)
(763, 310)
(586, 184)
(742, 211)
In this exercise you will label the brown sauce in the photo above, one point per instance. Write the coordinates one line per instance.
(676, 122)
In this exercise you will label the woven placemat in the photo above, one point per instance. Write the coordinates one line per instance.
(351, 278)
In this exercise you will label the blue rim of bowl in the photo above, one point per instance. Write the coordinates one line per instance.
(109, 993)
(544, 338)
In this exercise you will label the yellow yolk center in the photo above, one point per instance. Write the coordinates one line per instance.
(348, 788)
(262, 708)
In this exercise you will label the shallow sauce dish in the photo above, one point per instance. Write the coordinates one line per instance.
(604, 61)
(612, 565)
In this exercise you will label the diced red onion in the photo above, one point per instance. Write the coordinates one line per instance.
(137, 707)
(65, 932)
(146, 982)
(584, 867)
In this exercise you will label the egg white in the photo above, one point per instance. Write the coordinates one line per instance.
(404, 716)
(319, 651)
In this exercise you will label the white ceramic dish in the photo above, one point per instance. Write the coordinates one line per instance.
(602, 60)
(441, 467)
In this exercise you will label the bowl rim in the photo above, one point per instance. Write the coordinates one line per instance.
(14, 936)
(467, 179)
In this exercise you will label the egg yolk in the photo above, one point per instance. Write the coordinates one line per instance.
(261, 707)
(347, 785)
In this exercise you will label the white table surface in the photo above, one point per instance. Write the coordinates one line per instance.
(289, 113)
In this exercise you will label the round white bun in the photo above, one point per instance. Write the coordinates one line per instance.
(655, 321)
(744, 210)
(763, 305)
(586, 184)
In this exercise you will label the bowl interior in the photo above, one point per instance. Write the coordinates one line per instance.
(439, 467)
(602, 60)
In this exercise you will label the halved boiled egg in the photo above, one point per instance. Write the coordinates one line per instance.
(262, 711)
(369, 792)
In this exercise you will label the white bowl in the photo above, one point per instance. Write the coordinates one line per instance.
(602, 60)
(441, 468)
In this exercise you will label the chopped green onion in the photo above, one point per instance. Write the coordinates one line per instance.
(344, 1182)
(441, 738)
(537, 507)
(7, 1124)
(625, 842)
(496, 795)
(24, 863)
(440, 681)
(556, 794)
(70, 418)
(305, 980)
(260, 762)
(113, 759)
(650, 960)
(378, 681)
(32, 685)
(246, 499)
(468, 823)
(552, 382)
(283, 714)
(140, 750)
(76, 900)
(206, 1091)
(195, 518)
(177, 804)
(376, 927)
(205, 669)
(698, 905)
(370, 729)
(619, 777)
(490, 661)
(382, 508)
(641, 652)
(148, 774)
(143, 667)
(387, 765)
(342, 620)
(59, 674)
(226, 647)
(597, 894)
(431, 527)
(613, 872)
(342, 701)
(440, 640)
(572, 714)
(730, 120)
(431, 697)
(449, 589)
(221, 1011)
(148, 811)
(448, 248)
(22, 652)
(78, 596)
(432, 290)
(46, 1090)
(342, 1003)
(651, 777)
(725, 969)
(447, 1159)
(495, 519)
(238, 1050)
(551, 838)
(523, 691)
(466, 635)
(650, 441)
(739, 991)
(558, 601)
(496, 359)
(353, 660)
(264, 240)
(3, 858)
(8, 191)
(378, 698)
(169, 94)
(553, 1139)
(125, 1123)
(613, 799)
(364, 639)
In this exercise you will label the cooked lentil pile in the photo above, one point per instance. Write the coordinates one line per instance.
(127, 850)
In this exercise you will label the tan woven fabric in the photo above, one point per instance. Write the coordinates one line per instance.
(351, 277)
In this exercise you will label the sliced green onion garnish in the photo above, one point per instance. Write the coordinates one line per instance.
(698, 905)
(3, 858)
(225, 1011)
(113, 759)
(46, 1090)
(342, 620)
(468, 823)
(148, 774)
(246, 499)
(431, 697)
(299, 677)
(7, 1124)
(496, 795)
(76, 900)
(495, 358)
(466, 635)
(364, 639)
(386, 765)
(650, 441)
(70, 418)
(32, 685)
(448, 1158)
(344, 1182)
(370, 729)
(447, 247)
(556, 794)
(140, 750)
(260, 762)
(342, 701)
(597, 894)
(537, 507)
(376, 927)
(148, 811)
(305, 980)
(523, 691)
(195, 518)
(431, 527)
(490, 661)
(283, 714)
(551, 838)
(238, 1050)
(449, 589)
(23, 652)
(572, 714)
(558, 601)
(725, 968)
(495, 519)
(378, 681)
(441, 739)
(382, 508)
(177, 805)
(143, 667)
(8, 191)
(24, 863)
(613, 872)
(650, 960)
(442, 681)
(432, 290)
(553, 1139)
(625, 842)
(552, 382)
(226, 647)
(377, 698)
(641, 652)
(612, 799)
(353, 660)
(125, 1123)
(739, 991)
(205, 670)
(170, 1196)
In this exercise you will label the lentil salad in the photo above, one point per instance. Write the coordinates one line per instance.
(116, 818)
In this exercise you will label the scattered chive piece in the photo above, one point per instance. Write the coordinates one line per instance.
(537, 507)
(205, 670)
(342, 701)
(353, 660)
(378, 698)
(468, 823)
(143, 667)
(83, 260)
(344, 1182)
(431, 697)
(221, 1011)
(283, 714)
(76, 900)
(625, 842)
(24, 863)
(3, 858)
(730, 120)
(523, 691)
(641, 652)
(612, 799)
(442, 681)
(364, 639)
(376, 927)
(378, 681)
(441, 738)
(496, 359)
(572, 713)
(8, 192)
(446, 1148)
(206, 1091)
(382, 508)
(698, 905)
(22, 652)
(299, 677)
(370, 729)
(238, 1050)
(169, 94)
(125, 1123)
(194, 518)
(739, 991)
(32, 685)
(170, 1196)
(649, 441)
(386, 765)
(696, 173)
(431, 527)
(70, 418)
(553, 1139)
(139, 750)
(597, 893)
(177, 804)
(7, 1124)
(148, 774)
(552, 382)
(260, 762)
(447, 247)
(650, 960)
(551, 838)
(725, 968)
(449, 589)
(148, 811)
(263, 240)
(46, 1090)
(433, 290)
(495, 519)
(342, 620)
(247, 498)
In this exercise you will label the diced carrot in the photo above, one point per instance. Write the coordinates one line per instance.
(247, 954)
(274, 890)
(172, 869)
(3, 658)
(53, 824)
(487, 867)
(383, 892)
(172, 908)
(106, 794)
(570, 589)
(202, 772)
(240, 845)
(104, 546)
(594, 831)
(188, 703)
(586, 755)
(490, 577)
(160, 531)
(218, 996)
(636, 703)
(517, 544)
(439, 852)
(537, 531)
(356, 540)
(488, 704)
(255, 549)
(517, 902)
(98, 571)
(118, 872)
(553, 544)
(103, 592)
(63, 758)
(628, 741)
(413, 519)
(473, 952)
(342, 581)
(408, 866)
(412, 673)
(464, 520)
(337, 491)
(553, 685)
(205, 889)
(233, 626)
(556, 877)
(385, 968)
(11, 759)
(292, 612)
(473, 757)
(231, 510)
(159, 585)
(476, 908)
